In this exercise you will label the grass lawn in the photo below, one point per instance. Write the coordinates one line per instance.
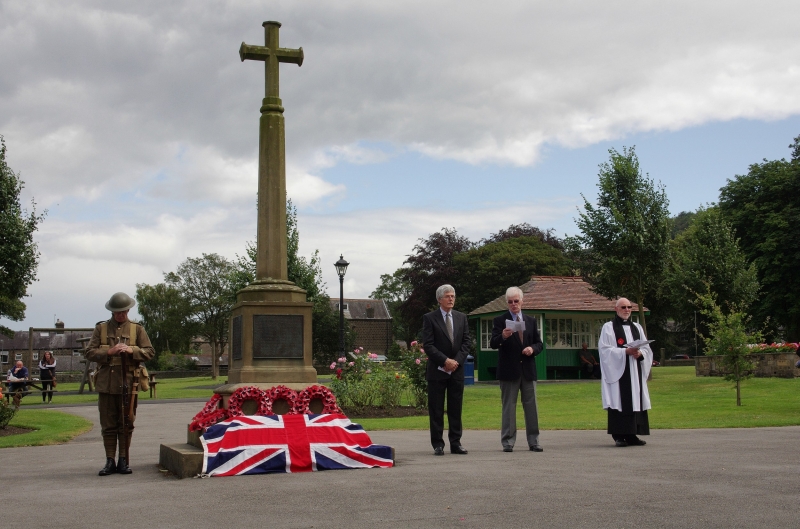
(49, 427)
(679, 399)
(168, 388)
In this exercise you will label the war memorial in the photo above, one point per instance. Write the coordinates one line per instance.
(271, 371)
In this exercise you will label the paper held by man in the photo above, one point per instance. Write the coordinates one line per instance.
(515, 326)
(636, 344)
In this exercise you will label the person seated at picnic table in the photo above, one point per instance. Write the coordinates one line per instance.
(588, 363)
(47, 373)
(18, 377)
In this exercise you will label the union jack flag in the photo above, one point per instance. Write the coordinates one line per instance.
(254, 444)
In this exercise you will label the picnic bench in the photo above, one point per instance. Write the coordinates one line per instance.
(8, 394)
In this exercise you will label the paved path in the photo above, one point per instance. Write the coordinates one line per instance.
(682, 478)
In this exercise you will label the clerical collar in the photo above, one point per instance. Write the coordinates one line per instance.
(621, 321)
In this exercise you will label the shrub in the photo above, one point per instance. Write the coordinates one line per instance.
(7, 412)
(415, 362)
(360, 382)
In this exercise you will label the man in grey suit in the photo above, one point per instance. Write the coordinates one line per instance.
(516, 371)
(445, 338)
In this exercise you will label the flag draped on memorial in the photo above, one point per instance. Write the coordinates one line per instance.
(255, 444)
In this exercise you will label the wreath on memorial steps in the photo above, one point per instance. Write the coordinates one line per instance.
(249, 393)
(305, 397)
(210, 415)
(201, 422)
(283, 393)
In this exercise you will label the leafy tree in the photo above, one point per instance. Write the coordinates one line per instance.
(485, 272)
(729, 338)
(429, 266)
(167, 318)
(526, 230)
(623, 248)
(19, 255)
(681, 222)
(394, 290)
(706, 256)
(307, 274)
(207, 284)
(763, 207)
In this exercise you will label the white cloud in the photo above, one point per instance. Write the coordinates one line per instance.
(137, 124)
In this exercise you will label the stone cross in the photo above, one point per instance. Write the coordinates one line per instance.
(270, 329)
(271, 247)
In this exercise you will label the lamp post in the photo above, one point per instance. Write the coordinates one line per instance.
(341, 269)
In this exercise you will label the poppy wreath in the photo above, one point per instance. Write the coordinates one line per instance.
(305, 397)
(210, 414)
(201, 422)
(249, 393)
(283, 393)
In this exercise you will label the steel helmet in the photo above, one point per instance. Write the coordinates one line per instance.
(120, 302)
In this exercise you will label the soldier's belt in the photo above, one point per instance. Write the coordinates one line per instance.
(117, 361)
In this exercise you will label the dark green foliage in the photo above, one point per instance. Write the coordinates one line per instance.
(394, 290)
(167, 318)
(623, 248)
(207, 284)
(487, 271)
(681, 222)
(706, 257)
(763, 207)
(19, 255)
(479, 271)
(429, 266)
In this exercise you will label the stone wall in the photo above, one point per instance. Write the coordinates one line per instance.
(766, 365)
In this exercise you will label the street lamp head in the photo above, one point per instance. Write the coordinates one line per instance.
(341, 266)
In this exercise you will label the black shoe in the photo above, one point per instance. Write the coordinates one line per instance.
(635, 441)
(508, 449)
(536, 448)
(621, 443)
(122, 466)
(110, 468)
(458, 449)
(438, 451)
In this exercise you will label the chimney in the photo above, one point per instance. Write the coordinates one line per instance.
(370, 312)
(59, 325)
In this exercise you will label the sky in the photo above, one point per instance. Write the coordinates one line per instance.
(135, 124)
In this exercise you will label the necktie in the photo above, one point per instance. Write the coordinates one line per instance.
(449, 323)
(519, 318)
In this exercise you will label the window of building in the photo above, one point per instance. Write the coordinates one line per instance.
(4, 357)
(36, 357)
(486, 334)
(570, 333)
(76, 352)
(17, 356)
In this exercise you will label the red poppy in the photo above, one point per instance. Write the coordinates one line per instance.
(620, 341)
(339, 373)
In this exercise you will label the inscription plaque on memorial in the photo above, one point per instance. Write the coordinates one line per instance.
(236, 338)
(277, 336)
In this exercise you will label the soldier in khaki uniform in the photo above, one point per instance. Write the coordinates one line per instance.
(110, 340)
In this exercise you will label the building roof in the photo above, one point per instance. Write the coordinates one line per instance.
(357, 309)
(555, 293)
(44, 340)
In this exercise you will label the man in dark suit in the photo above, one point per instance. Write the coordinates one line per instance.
(516, 371)
(445, 338)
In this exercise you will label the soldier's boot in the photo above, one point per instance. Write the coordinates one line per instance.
(122, 466)
(110, 468)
